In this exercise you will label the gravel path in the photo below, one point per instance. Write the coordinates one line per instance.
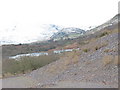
(26, 82)
(18, 82)
(72, 84)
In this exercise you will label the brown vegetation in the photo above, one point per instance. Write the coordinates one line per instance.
(110, 59)
(26, 64)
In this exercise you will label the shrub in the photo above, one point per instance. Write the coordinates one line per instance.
(96, 48)
(106, 50)
(103, 34)
(100, 46)
(26, 64)
(71, 57)
(86, 50)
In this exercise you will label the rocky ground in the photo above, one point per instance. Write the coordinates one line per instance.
(96, 67)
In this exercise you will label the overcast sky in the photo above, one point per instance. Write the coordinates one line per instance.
(28, 15)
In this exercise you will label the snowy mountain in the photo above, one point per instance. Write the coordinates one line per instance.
(109, 24)
(66, 33)
(27, 34)
(15, 34)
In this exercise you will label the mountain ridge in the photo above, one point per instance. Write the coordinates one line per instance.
(53, 32)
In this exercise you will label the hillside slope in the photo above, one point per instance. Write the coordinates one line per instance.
(95, 65)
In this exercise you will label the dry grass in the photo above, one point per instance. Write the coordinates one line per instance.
(97, 47)
(107, 59)
(72, 57)
(111, 50)
(116, 60)
(110, 59)
(115, 31)
(7, 75)
(107, 50)
(68, 58)
(88, 62)
(56, 68)
(107, 32)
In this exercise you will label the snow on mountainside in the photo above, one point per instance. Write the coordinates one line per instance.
(108, 24)
(66, 33)
(15, 35)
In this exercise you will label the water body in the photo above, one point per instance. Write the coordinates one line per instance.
(64, 50)
(61, 51)
(29, 54)
(42, 53)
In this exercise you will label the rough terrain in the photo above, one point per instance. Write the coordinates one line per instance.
(95, 66)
